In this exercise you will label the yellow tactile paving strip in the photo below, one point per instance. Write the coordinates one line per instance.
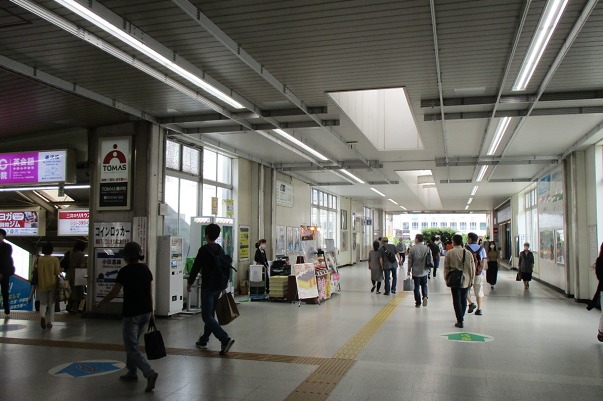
(318, 386)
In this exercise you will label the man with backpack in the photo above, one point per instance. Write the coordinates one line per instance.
(480, 259)
(419, 263)
(215, 272)
(389, 259)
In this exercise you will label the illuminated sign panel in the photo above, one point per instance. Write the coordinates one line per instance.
(37, 167)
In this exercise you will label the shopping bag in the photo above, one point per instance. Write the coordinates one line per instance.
(408, 284)
(153, 342)
(226, 309)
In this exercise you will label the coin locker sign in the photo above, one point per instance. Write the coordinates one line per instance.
(109, 235)
(114, 173)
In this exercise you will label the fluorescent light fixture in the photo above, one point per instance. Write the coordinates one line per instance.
(503, 123)
(392, 201)
(474, 191)
(45, 188)
(466, 207)
(302, 145)
(469, 201)
(108, 27)
(402, 207)
(346, 172)
(548, 22)
(378, 192)
(482, 173)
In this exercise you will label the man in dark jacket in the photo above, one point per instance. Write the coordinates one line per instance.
(435, 253)
(7, 269)
(210, 289)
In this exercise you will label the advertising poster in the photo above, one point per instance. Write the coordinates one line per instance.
(23, 222)
(228, 205)
(281, 240)
(290, 241)
(284, 194)
(306, 280)
(115, 164)
(344, 241)
(308, 233)
(19, 290)
(243, 243)
(73, 222)
(112, 235)
(214, 206)
(107, 265)
(34, 167)
(227, 240)
(139, 232)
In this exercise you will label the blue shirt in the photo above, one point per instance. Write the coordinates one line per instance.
(482, 255)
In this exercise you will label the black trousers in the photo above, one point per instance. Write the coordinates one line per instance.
(459, 300)
(4, 283)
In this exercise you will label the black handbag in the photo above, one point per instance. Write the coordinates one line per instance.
(456, 278)
(428, 260)
(153, 342)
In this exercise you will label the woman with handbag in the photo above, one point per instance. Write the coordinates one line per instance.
(492, 272)
(48, 269)
(526, 265)
(459, 272)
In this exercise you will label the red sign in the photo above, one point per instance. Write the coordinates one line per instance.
(74, 222)
(20, 222)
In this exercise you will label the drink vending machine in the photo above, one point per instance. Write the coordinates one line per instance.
(170, 274)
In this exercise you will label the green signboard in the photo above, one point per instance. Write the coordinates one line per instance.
(467, 337)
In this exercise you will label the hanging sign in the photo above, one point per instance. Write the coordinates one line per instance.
(73, 222)
(37, 167)
(108, 235)
(23, 222)
(214, 206)
(228, 205)
(114, 173)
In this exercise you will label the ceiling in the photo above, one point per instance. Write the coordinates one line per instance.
(280, 59)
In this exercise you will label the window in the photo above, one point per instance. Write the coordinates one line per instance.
(405, 226)
(415, 225)
(453, 225)
(443, 224)
(473, 226)
(324, 215)
(424, 224)
(482, 226)
(463, 226)
(434, 224)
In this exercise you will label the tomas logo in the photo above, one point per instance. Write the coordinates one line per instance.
(115, 161)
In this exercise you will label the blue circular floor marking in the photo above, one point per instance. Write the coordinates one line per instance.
(464, 337)
(86, 368)
(11, 327)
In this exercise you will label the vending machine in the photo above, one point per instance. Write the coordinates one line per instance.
(170, 275)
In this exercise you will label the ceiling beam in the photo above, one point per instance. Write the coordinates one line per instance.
(494, 160)
(472, 115)
(511, 99)
(238, 128)
(348, 165)
(499, 180)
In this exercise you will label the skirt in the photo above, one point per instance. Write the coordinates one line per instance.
(376, 274)
(526, 276)
(492, 273)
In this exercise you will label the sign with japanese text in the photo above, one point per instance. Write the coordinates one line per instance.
(228, 205)
(107, 265)
(23, 222)
(109, 235)
(35, 167)
(73, 222)
(243, 243)
(114, 173)
(139, 233)
(214, 206)
(19, 290)
(284, 194)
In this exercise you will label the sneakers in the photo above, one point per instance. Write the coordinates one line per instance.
(424, 301)
(226, 346)
(43, 323)
(459, 325)
(600, 336)
(151, 382)
(201, 344)
(128, 378)
(386, 293)
(393, 292)
(417, 305)
(472, 308)
(478, 312)
(378, 292)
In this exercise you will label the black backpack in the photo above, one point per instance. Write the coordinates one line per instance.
(223, 266)
(390, 256)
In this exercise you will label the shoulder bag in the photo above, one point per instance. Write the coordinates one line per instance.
(153, 342)
(456, 278)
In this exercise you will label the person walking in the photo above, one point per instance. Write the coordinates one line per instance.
(211, 288)
(260, 258)
(458, 258)
(492, 272)
(401, 248)
(435, 254)
(47, 277)
(389, 261)
(418, 256)
(137, 309)
(478, 254)
(7, 269)
(526, 265)
(73, 260)
(374, 265)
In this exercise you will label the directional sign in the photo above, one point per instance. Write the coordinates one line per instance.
(87, 368)
(467, 337)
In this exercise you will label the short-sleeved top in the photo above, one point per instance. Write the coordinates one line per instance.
(373, 258)
(386, 263)
(48, 271)
(401, 246)
(136, 280)
(482, 255)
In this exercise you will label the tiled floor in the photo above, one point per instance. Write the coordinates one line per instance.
(544, 348)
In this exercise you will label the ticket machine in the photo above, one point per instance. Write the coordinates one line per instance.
(170, 273)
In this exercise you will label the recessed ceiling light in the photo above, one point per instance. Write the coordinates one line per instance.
(474, 191)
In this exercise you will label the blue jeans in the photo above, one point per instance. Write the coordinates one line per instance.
(133, 327)
(436, 264)
(459, 300)
(420, 287)
(394, 279)
(209, 298)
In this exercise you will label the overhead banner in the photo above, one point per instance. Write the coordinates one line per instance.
(52, 166)
(114, 173)
(23, 222)
(73, 222)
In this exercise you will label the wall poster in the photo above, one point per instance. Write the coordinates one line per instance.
(284, 194)
(107, 265)
(281, 240)
(243, 243)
